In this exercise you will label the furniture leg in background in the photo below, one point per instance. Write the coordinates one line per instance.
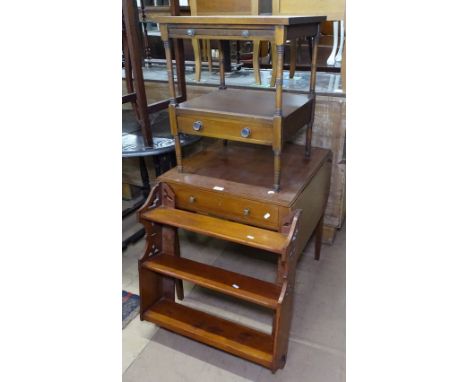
(339, 55)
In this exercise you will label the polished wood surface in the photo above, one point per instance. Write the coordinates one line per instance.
(218, 279)
(332, 9)
(223, 334)
(223, 191)
(259, 104)
(245, 170)
(237, 20)
(221, 229)
(225, 127)
(160, 271)
(231, 207)
(284, 122)
(162, 268)
(225, 113)
(227, 180)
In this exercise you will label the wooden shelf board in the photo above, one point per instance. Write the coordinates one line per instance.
(222, 229)
(234, 284)
(253, 103)
(214, 331)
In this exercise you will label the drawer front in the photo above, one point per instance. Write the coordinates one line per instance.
(229, 34)
(225, 128)
(226, 206)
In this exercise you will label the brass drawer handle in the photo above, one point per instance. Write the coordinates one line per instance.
(245, 132)
(246, 211)
(197, 125)
(245, 33)
(191, 32)
(192, 199)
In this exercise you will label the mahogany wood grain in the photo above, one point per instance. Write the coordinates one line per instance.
(226, 104)
(223, 127)
(239, 20)
(221, 229)
(233, 284)
(237, 176)
(224, 32)
(230, 207)
(245, 170)
(220, 333)
(258, 104)
(160, 273)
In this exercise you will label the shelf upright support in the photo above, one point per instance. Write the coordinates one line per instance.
(278, 116)
(172, 93)
(313, 80)
(222, 83)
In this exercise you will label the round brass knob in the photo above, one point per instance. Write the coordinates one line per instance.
(190, 32)
(245, 132)
(197, 125)
(246, 211)
(245, 33)
(192, 199)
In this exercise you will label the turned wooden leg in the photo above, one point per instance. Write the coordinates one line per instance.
(277, 170)
(178, 150)
(197, 58)
(292, 58)
(273, 65)
(278, 117)
(175, 134)
(256, 62)
(318, 238)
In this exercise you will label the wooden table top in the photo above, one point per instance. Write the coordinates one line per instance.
(246, 170)
(239, 20)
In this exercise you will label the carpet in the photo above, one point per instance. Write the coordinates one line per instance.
(130, 307)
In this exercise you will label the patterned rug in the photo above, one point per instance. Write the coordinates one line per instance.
(130, 307)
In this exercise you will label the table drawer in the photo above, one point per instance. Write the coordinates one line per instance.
(217, 33)
(226, 206)
(226, 128)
